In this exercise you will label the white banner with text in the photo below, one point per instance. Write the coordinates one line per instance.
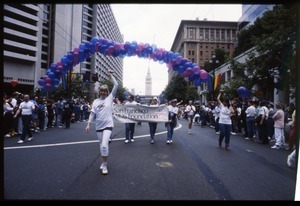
(140, 113)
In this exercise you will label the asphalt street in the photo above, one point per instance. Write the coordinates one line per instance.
(63, 164)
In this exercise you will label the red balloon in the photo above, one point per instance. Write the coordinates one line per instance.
(14, 82)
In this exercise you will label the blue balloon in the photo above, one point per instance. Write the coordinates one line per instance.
(243, 92)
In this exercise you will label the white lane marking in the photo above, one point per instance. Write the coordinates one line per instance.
(83, 142)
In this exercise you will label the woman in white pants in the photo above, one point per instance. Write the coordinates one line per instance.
(102, 109)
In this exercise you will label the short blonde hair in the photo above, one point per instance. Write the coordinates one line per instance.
(104, 87)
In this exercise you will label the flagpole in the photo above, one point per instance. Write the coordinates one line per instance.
(214, 63)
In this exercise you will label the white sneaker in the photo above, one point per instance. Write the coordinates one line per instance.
(168, 142)
(7, 135)
(290, 162)
(275, 147)
(152, 141)
(30, 138)
(126, 141)
(189, 131)
(102, 166)
(20, 141)
(131, 140)
(104, 170)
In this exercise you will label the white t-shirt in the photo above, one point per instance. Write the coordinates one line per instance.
(264, 111)
(172, 109)
(224, 115)
(27, 107)
(190, 109)
(103, 109)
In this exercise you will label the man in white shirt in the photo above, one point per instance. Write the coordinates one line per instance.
(26, 107)
(190, 110)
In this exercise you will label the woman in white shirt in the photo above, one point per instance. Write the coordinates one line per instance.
(102, 109)
(224, 121)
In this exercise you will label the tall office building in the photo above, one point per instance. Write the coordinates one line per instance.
(148, 84)
(196, 40)
(250, 12)
(36, 35)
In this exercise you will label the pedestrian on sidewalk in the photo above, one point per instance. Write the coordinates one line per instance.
(102, 109)
(25, 108)
(278, 118)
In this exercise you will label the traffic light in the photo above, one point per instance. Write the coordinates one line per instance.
(95, 77)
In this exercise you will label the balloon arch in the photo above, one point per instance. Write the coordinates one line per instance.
(106, 47)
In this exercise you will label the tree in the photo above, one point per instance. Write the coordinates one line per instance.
(180, 89)
(191, 93)
(221, 56)
(77, 89)
(176, 88)
(274, 38)
(276, 46)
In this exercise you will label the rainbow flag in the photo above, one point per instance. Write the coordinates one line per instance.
(217, 80)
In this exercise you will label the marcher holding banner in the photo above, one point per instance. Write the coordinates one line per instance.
(153, 125)
(129, 127)
(171, 124)
(102, 109)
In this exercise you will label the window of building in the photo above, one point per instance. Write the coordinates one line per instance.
(228, 34)
(206, 34)
(217, 34)
(228, 75)
(223, 34)
(233, 34)
(201, 34)
(212, 34)
(191, 33)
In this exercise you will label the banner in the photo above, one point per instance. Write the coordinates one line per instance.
(140, 113)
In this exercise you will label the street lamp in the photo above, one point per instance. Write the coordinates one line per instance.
(214, 63)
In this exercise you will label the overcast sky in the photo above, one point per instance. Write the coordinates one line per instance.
(158, 24)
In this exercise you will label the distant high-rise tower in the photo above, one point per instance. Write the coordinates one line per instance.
(148, 90)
